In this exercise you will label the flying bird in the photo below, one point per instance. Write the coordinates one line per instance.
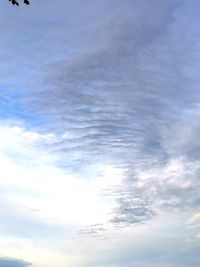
(15, 2)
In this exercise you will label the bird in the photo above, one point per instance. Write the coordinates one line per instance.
(15, 2)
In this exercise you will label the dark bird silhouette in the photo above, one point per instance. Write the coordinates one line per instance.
(15, 2)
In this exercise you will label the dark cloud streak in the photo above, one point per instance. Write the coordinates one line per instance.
(8, 262)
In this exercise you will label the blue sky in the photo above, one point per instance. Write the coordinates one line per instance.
(99, 130)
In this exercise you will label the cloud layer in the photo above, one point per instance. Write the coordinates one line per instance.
(99, 128)
(13, 263)
(128, 100)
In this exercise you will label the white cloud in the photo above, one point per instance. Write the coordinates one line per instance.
(65, 197)
(194, 221)
(198, 235)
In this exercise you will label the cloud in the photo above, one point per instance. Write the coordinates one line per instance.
(132, 210)
(7, 262)
(109, 148)
(130, 100)
(99, 97)
(95, 230)
(198, 235)
(40, 199)
(194, 221)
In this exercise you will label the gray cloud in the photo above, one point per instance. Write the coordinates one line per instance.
(128, 99)
(8, 262)
(100, 96)
(129, 212)
(94, 230)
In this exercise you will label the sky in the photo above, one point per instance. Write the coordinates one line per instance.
(99, 133)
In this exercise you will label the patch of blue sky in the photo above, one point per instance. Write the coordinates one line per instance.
(12, 109)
